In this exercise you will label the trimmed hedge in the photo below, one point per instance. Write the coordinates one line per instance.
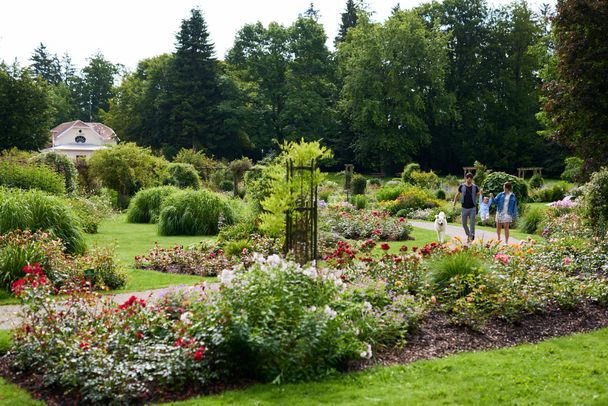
(35, 210)
(146, 204)
(14, 175)
(194, 212)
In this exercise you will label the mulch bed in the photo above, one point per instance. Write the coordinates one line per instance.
(435, 337)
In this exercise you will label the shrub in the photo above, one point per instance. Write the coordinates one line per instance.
(551, 193)
(440, 194)
(202, 163)
(530, 221)
(595, 202)
(389, 192)
(360, 202)
(358, 184)
(183, 176)
(226, 185)
(445, 268)
(536, 181)
(361, 224)
(573, 170)
(238, 168)
(194, 212)
(481, 173)
(374, 182)
(412, 198)
(406, 176)
(31, 177)
(201, 261)
(61, 164)
(90, 211)
(35, 210)
(425, 180)
(100, 267)
(145, 205)
(495, 181)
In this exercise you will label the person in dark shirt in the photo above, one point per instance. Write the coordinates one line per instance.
(468, 193)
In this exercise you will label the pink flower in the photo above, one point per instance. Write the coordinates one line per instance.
(504, 258)
(567, 261)
(198, 355)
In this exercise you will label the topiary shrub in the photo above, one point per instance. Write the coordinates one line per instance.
(406, 176)
(536, 181)
(359, 201)
(194, 212)
(495, 181)
(595, 202)
(238, 168)
(374, 182)
(62, 165)
(183, 176)
(440, 194)
(14, 175)
(145, 205)
(426, 180)
(358, 184)
(35, 210)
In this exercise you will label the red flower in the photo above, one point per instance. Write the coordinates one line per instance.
(401, 219)
(385, 246)
(414, 248)
(403, 248)
(139, 335)
(18, 286)
(198, 355)
(377, 232)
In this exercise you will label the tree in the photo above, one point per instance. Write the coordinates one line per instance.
(95, 88)
(349, 20)
(25, 115)
(46, 65)
(577, 98)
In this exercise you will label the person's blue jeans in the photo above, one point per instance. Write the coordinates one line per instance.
(468, 215)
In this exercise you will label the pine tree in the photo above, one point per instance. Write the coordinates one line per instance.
(349, 19)
(46, 65)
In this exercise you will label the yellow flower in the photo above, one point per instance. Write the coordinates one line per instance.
(398, 284)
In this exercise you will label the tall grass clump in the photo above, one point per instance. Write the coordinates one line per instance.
(15, 175)
(35, 210)
(194, 212)
(146, 204)
(444, 269)
(531, 220)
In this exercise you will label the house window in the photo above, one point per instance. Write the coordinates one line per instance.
(80, 139)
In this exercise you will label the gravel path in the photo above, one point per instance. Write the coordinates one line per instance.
(453, 231)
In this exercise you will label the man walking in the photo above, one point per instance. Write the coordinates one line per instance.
(468, 193)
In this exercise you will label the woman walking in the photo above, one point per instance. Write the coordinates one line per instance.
(506, 210)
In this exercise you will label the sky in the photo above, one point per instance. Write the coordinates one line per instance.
(127, 31)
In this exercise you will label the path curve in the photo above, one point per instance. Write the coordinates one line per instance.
(453, 231)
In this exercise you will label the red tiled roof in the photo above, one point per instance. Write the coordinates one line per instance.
(103, 130)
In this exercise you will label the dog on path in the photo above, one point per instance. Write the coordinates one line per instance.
(440, 226)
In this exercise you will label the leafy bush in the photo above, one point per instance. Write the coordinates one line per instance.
(358, 184)
(238, 168)
(194, 212)
(573, 170)
(100, 267)
(425, 180)
(406, 176)
(374, 182)
(389, 192)
(551, 193)
(536, 181)
(531, 220)
(360, 202)
(183, 176)
(201, 261)
(31, 177)
(226, 185)
(89, 212)
(145, 205)
(412, 198)
(35, 210)
(362, 224)
(440, 194)
(481, 173)
(495, 181)
(202, 163)
(445, 268)
(595, 202)
(61, 164)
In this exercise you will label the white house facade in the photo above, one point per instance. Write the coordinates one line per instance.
(78, 139)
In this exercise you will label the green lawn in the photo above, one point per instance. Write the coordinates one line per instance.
(567, 370)
(138, 239)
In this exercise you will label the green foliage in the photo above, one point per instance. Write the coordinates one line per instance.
(90, 211)
(406, 175)
(96, 87)
(426, 180)
(389, 192)
(530, 221)
(536, 181)
(495, 181)
(573, 170)
(238, 168)
(35, 210)
(106, 271)
(194, 212)
(595, 202)
(481, 173)
(145, 205)
(183, 176)
(412, 198)
(444, 269)
(61, 164)
(358, 184)
(226, 185)
(25, 177)
(374, 182)
(440, 194)
(359, 201)
(550, 193)
(198, 159)
(127, 168)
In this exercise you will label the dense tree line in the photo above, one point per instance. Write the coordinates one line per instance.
(443, 84)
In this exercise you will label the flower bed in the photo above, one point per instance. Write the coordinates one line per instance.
(363, 224)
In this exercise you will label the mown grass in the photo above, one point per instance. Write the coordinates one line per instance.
(567, 370)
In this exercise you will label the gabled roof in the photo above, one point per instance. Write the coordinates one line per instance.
(103, 130)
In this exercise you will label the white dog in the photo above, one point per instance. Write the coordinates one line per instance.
(440, 225)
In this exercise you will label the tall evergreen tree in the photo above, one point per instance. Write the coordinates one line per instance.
(46, 65)
(95, 88)
(349, 19)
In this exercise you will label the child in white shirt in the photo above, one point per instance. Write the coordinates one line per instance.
(484, 207)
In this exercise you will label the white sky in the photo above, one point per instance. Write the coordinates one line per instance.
(126, 31)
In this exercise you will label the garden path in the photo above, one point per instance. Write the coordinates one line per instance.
(9, 314)
(453, 231)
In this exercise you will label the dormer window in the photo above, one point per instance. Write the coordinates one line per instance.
(80, 139)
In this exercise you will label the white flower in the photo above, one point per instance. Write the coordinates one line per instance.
(273, 260)
(312, 309)
(367, 307)
(226, 277)
(310, 272)
(185, 317)
(367, 354)
(330, 312)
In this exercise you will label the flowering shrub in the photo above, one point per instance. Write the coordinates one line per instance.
(202, 261)
(413, 198)
(362, 224)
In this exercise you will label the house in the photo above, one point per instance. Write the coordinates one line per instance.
(78, 139)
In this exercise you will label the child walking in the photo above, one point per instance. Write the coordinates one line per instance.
(506, 210)
(484, 207)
